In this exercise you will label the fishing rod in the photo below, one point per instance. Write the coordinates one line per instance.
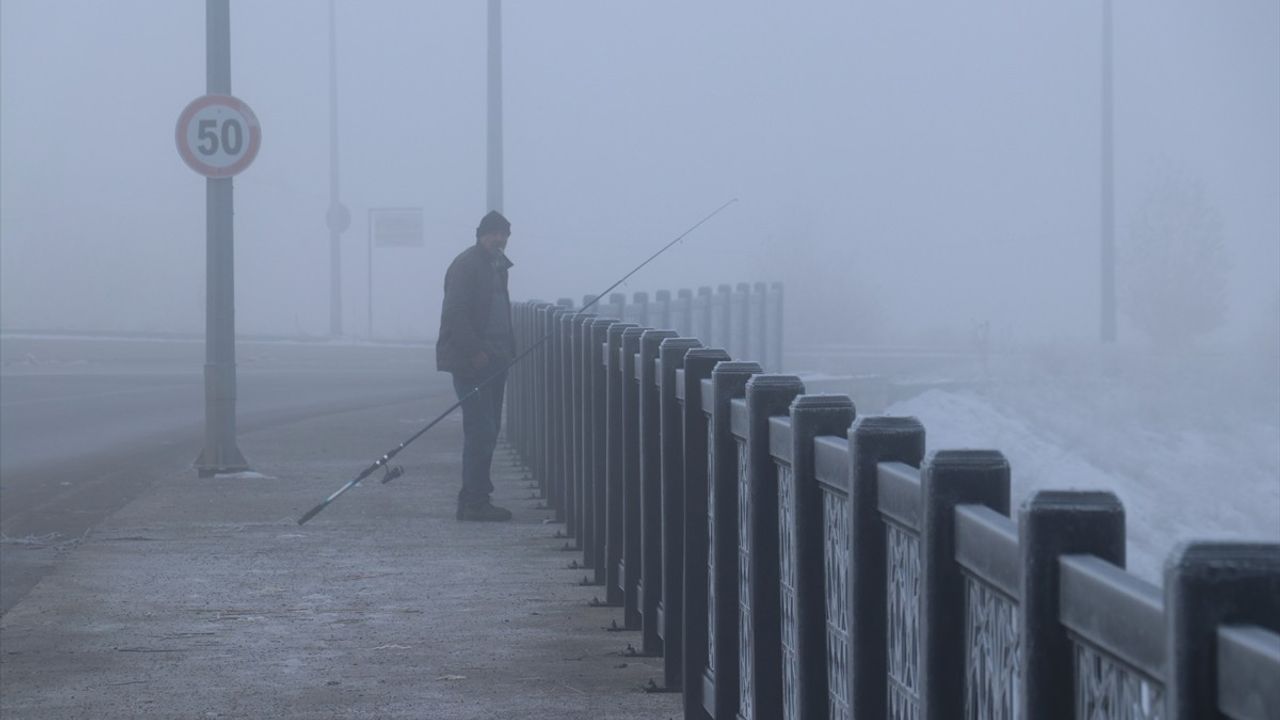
(392, 472)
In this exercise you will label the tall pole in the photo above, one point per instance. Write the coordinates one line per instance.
(1108, 259)
(220, 454)
(494, 175)
(338, 218)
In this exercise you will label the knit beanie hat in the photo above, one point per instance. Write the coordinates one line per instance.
(493, 222)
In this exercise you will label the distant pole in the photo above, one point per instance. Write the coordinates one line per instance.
(338, 217)
(494, 175)
(220, 454)
(1108, 258)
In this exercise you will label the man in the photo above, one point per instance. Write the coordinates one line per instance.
(476, 344)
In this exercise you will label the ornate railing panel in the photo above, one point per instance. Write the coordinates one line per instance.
(746, 685)
(903, 597)
(787, 581)
(1108, 689)
(835, 526)
(711, 552)
(993, 663)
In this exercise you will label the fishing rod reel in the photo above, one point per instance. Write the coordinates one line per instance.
(391, 472)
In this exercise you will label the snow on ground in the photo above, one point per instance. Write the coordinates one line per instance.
(1191, 454)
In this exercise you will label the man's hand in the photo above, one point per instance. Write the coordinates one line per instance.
(480, 360)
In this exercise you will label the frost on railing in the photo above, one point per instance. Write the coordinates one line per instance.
(1108, 689)
(835, 533)
(903, 592)
(711, 552)
(746, 686)
(787, 579)
(991, 643)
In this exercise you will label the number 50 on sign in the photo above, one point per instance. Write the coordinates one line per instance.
(218, 136)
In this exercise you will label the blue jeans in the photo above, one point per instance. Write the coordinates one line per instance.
(481, 421)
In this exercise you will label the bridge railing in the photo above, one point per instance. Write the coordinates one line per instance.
(789, 559)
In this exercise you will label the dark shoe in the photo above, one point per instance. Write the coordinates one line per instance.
(487, 512)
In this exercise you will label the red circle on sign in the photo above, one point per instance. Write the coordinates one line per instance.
(187, 152)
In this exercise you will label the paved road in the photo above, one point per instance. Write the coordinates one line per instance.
(88, 424)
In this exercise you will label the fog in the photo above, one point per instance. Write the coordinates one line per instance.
(912, 170)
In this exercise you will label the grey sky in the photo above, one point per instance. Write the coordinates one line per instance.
(933, 161)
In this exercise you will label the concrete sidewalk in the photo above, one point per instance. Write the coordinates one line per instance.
(204, 599)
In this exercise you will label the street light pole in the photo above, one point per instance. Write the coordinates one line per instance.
(338, 217)
(494, 174)
(1108, 256)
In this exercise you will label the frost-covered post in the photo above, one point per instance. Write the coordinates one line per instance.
(598, 390)
(702, 316)
(760, 325)
(671, 355)
(614, 481)
(1207, 585)
(660, 313)
(698, 365)
(729, 381)
(811, 416)
(721, 334)
(564, 420)
(759, 629)
(650, 454)
(872, 440)
(629, 569)
(683, 319)
(1053, 523)
(581, 458)
(740, 322)
(947, 479)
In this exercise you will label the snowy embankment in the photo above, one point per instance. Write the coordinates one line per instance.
(1191, 449)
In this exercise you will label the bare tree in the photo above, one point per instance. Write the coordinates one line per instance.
(1175, 265)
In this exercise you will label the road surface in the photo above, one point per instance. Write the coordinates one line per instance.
(86, 424)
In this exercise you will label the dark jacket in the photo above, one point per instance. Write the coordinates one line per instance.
(474, 279)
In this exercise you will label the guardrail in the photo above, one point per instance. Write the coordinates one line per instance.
(789, 559)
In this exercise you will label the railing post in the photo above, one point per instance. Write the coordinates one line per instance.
(702, 316)
(660, 313)
(649, 587)
(585, 534)
(729, 381)
(698, 366)
(640, 301)
(759, 326)
(811, 416)
(629, 569)
(564, 421)
(1051, 524)
(774, 331)
(599, 394)
(615, 482)
(617, 306)
(573, 444)
(555, 459)
(947, 479)
(684, 313)
(872, 440)
(721, 330)
(759, 630)
(739, 346)
(671, 354)
(1207, 584)
(540, 400)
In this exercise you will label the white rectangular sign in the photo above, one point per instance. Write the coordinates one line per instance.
(396, 227)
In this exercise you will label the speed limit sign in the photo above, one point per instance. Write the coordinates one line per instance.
(218, 136)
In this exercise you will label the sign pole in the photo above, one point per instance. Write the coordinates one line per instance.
(220, 454)
(494, 175)
(370, 269)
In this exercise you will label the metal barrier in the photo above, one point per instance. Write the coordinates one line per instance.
(791, 560)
